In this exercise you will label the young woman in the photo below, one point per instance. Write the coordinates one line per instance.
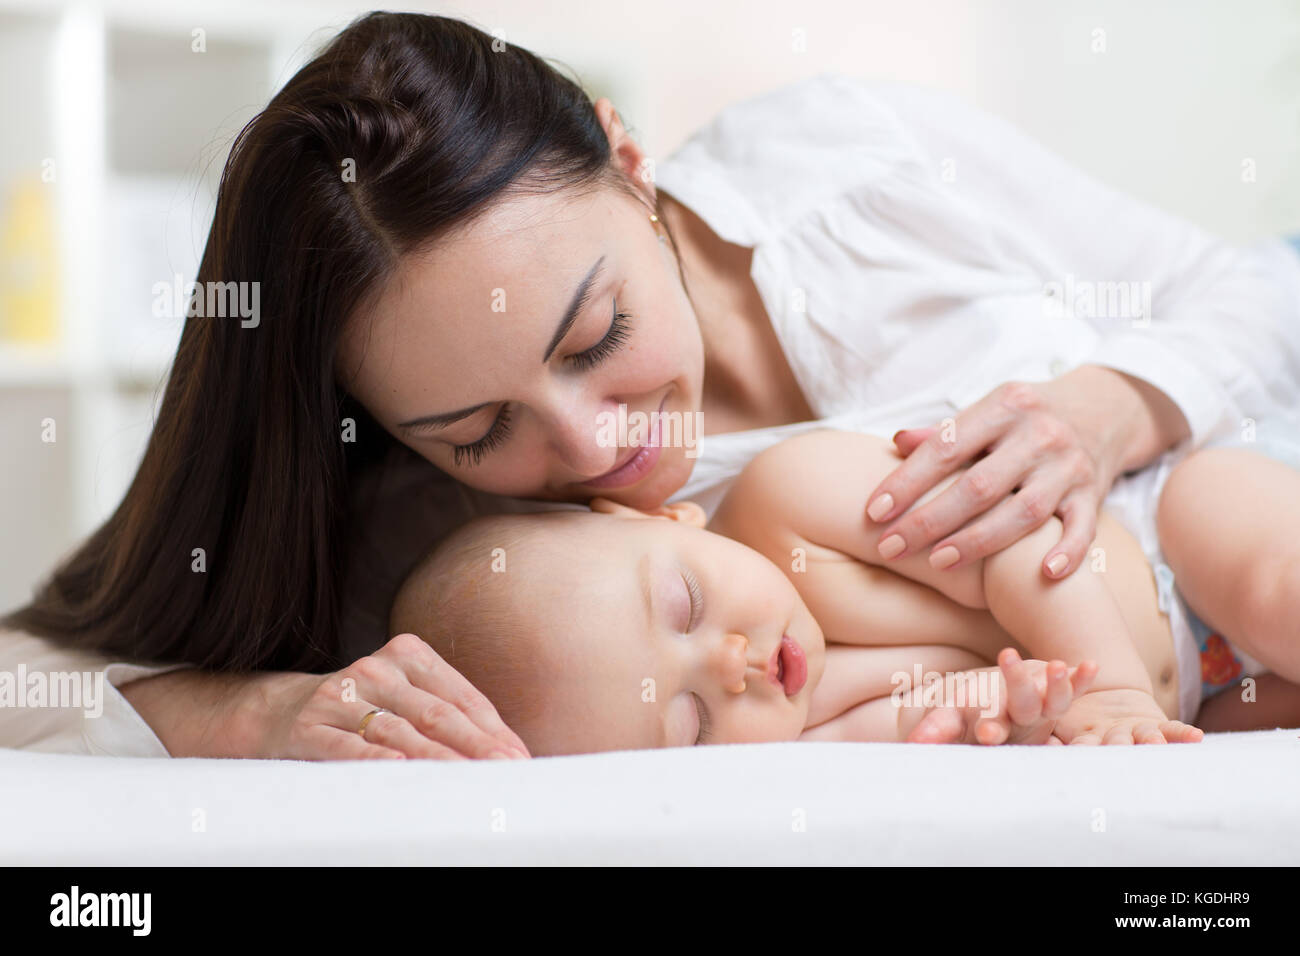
(465, 265)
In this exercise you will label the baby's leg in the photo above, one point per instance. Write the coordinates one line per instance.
(1276, 704)
(1229, 525)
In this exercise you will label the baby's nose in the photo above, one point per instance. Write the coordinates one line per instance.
(731, 662)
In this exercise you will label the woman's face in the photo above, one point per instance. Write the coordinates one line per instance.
(475, 356)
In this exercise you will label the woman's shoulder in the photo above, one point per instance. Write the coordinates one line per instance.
(765, 160)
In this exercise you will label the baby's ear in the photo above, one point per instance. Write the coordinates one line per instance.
(687, 512)
(606, 507)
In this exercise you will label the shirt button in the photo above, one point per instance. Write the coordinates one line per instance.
(1057, 367)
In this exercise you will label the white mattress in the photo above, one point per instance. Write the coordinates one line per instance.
(1230, 799)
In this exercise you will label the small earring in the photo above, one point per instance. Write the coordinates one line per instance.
(655, 222)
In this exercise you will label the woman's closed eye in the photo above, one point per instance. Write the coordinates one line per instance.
(610, 343)
(615, 336)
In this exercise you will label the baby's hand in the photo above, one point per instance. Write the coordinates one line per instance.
(1122, 716)
(1032, 696)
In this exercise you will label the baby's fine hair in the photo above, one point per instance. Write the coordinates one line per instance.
(458, 598)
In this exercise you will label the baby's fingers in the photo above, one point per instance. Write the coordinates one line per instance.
(1059, 694)
(1024, 699)
(1081, 677)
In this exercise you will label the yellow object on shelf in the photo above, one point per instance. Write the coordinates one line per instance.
(28, 269)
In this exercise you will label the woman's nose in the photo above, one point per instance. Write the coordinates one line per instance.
(729, 662)
(576, 438)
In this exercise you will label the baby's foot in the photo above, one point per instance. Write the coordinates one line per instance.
(1122, 716)
(1032, 696)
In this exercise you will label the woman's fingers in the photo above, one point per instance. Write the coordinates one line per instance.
(937, 456)
(906, 439)
(1005, 523)
(477, 727)
(1078, 511)
(444, 740)
(1029, 447)
(336, 744)
(984, 486)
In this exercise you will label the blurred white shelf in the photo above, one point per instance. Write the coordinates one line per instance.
(136, 124)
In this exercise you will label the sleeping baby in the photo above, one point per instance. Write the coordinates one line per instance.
(616, 629)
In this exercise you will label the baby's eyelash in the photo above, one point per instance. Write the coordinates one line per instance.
(495, 436)
(697, 598)
(614, 338)
(705, 726)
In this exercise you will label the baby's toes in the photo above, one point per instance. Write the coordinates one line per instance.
(1086, 740)
(939, 726)
(991, 731)
(1180, 733)
(1148, 734)
(1119, 736)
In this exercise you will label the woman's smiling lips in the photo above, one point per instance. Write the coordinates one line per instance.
(788, 668)
(640, 464)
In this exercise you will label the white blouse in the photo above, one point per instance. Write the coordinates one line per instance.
(912, 253)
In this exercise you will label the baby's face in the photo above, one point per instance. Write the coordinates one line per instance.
(652, 632)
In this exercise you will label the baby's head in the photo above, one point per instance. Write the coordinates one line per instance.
(617, 630)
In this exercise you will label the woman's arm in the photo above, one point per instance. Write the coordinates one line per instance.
(433, 711)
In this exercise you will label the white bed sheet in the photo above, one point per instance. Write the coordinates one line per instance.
(1232, 799)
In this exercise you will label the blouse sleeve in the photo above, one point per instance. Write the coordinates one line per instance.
(1222, 339)
(57, 700)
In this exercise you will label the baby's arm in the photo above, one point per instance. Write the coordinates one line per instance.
(810, 491)
(1017, 702)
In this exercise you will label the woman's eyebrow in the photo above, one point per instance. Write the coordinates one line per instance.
(580, 296)
(575, 306)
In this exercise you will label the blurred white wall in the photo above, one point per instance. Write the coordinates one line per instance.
(1167, 99)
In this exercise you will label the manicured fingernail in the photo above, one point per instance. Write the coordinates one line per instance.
(881, 506)
(945, 557)
(1057, 564)
(892, 546)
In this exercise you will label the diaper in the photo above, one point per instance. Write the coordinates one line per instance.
(1207, 661)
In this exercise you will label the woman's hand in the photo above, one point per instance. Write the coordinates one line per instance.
(435, 712)
(1048, 448)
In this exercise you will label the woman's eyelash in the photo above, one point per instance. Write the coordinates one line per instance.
(706, 728)
(473, 452)
(615, 337)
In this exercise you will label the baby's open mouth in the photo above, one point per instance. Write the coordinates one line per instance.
(788, 668)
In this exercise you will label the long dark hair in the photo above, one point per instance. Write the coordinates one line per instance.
(247, 460)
